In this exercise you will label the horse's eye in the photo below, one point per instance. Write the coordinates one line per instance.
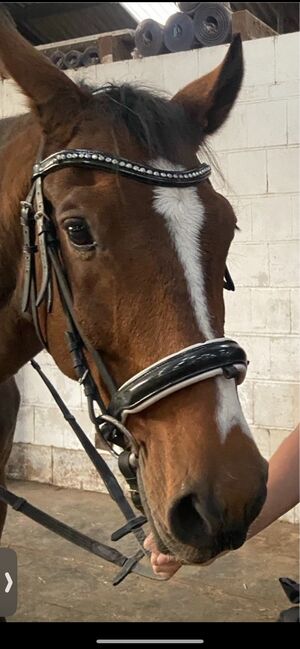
(79, 233)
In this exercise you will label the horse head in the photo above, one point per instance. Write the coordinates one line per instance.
(145, 265)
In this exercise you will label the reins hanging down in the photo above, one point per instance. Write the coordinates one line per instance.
(133, 525)
(187, 366)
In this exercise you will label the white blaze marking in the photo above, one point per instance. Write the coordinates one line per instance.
(183, 212)
(229, 411)
(184, 216)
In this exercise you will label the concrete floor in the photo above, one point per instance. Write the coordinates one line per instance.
(60, 582)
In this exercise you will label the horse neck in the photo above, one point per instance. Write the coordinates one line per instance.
(18, 141)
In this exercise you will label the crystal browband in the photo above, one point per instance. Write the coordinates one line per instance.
(100, 160)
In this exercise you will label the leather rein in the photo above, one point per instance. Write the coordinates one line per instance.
(170, 374)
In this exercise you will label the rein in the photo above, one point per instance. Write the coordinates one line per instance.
(190, 365)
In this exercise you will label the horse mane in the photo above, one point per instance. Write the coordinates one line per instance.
(162, 127)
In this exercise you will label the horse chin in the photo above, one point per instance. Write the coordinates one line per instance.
(166, 543)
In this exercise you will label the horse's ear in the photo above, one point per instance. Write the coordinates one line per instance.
(52, 95)
(208, 100)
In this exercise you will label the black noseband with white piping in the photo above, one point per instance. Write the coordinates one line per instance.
(177, 371)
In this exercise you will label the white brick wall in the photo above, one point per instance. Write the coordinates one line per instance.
(287, 58)
(247, 169)
(283, 170)
(258, 153)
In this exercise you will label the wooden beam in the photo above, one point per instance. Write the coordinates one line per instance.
(249, 26)
(122, 46)
(115, 46)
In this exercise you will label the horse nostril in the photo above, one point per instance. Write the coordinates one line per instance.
(186, 521)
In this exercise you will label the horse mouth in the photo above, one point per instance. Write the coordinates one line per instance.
(166, 543)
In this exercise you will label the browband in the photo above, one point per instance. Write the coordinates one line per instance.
(138, 171)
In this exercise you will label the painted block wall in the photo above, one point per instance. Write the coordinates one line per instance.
(258, 152)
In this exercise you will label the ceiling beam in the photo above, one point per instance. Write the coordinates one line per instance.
(44, 9)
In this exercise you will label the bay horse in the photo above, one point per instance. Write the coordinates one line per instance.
(145, 263)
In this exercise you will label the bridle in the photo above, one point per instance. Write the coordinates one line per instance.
(199, 362)
(196, 363)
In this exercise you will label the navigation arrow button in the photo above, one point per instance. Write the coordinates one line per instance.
(9, 582)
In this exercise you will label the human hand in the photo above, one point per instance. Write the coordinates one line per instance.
(164, 565)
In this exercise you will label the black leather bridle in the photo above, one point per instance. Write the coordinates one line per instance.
(170, 374)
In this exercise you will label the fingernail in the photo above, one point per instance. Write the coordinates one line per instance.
(162, 559)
